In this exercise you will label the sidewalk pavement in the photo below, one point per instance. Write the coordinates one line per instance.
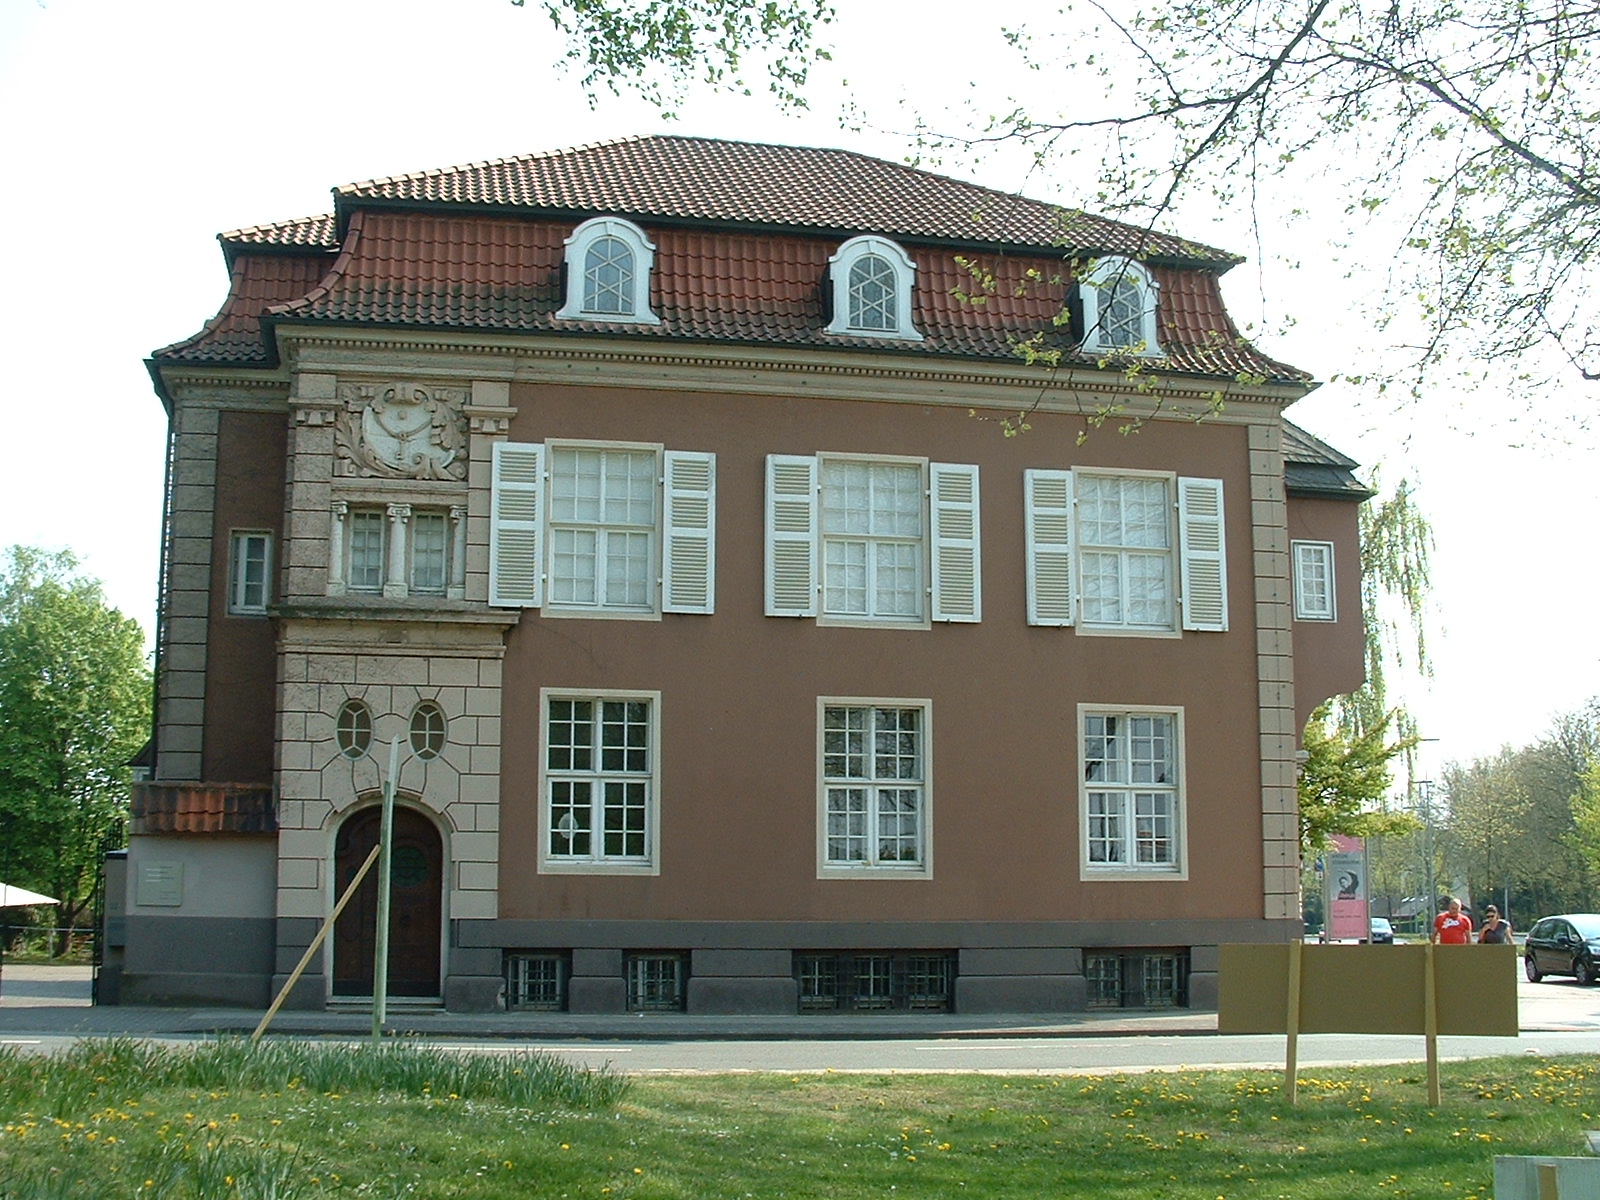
(54, 1002)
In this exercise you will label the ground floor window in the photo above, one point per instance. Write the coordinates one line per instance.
(656, 982)
(537, 982)
(867, 981)
(1137, 978)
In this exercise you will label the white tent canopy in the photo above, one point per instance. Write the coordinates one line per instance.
(15, 897)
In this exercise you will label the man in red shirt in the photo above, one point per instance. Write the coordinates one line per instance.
(1452, 927)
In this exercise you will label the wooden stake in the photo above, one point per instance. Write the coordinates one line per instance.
(1291, 1052)
(294, 976)
(1430, 1023)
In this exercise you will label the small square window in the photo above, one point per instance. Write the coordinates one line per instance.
(537, 982)
(249, 571)
(657, 982)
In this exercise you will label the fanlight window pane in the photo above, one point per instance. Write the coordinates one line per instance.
(1121, 315)
(874, 303)
(608, 277)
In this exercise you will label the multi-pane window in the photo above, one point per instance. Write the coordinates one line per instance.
(872, 539)
(602, 527)
(1131, 795)
(656, 982)
(1125, 551)
(249, 569)
(1136, 978)
(367, 536)
(1313, 581)
(1118, 297)
(608, 277)
(430, 553)
(352, 729)
(873, 301)
(874, 784)
(1121, 315)
(427, 730)
(875, 981)
(599, 782)
(537, 982)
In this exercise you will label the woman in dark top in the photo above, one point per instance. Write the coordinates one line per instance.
(1494, 931)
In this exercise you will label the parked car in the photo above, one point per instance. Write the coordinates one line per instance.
(1381, 931)
(1568, 944)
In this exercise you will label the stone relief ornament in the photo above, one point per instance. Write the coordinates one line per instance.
(402, 431)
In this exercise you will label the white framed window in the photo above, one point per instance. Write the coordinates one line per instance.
(608, 266)
(874, 789)
(1119, 297)
(430, 552)
(249, 573)
(599, 780)
(1131, 801)
(367, 537)
(1131, 552)
(872, 540)
(1313, 581)
(870, 281)
(601, 529)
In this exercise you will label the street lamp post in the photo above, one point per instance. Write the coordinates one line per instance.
(1425, 795)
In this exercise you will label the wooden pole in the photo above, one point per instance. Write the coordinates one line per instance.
(380, 955)
(294, 976)
(1291, 1052)
(1430, 1023)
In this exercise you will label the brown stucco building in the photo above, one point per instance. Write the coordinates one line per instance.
(661, 498)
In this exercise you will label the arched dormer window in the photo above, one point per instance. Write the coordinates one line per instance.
(871, 281)
(1119, 308)
(608, 273)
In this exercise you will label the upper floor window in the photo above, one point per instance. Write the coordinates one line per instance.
(352, 729)
(602, 529)
(608, 262)
(427, 730)
(397, 550)
(872, 540)
(1131, 805)
(1119, 308)
(249, 568)
(1313, 581)
(1113, 552)
(870, 282)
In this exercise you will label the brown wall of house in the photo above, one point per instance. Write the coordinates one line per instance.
(739, 692)
(241, 662)
(1329, 656)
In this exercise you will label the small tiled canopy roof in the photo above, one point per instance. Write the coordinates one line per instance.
(1311, 467)
(743, 235)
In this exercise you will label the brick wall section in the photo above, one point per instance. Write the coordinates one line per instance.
(1280, 739)
(180, 703)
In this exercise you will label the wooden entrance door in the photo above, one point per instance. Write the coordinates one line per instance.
(415, 906)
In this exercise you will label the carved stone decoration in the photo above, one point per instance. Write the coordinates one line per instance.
(402, 431)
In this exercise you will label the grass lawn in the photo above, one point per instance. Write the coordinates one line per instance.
(309, 1120)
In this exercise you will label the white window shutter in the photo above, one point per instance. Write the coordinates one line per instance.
(516, 530)
(957, 566)
(1205, 569)
(791, 520)
(1047, 503)
(688, 561)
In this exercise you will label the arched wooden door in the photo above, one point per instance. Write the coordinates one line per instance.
(415, 908)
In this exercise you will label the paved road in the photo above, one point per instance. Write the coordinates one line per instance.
(42, 1009)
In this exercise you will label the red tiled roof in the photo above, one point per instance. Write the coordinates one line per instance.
(202, 808)
(743, 236)
(712, 182)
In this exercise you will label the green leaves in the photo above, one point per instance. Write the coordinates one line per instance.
(1344, 780)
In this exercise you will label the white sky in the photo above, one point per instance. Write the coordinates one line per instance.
(134, 132)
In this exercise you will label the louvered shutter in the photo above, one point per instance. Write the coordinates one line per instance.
(957, 567)
(1205, 574)
(791, 520)
(688, 559)
(1047, 501)
(515, 525)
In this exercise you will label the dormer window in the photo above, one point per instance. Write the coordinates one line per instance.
(1119, 308)
(871, 281)
(608, 273)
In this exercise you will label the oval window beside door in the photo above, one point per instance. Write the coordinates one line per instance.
(427, 730)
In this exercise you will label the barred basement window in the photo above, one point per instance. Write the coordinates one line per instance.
(867, 982)
(537, 982)
(1137, 978)
(656, 982)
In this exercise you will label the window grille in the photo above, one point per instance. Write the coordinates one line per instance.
(1137, 978)
(863, 981)
(537, 982)
(656, 982)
